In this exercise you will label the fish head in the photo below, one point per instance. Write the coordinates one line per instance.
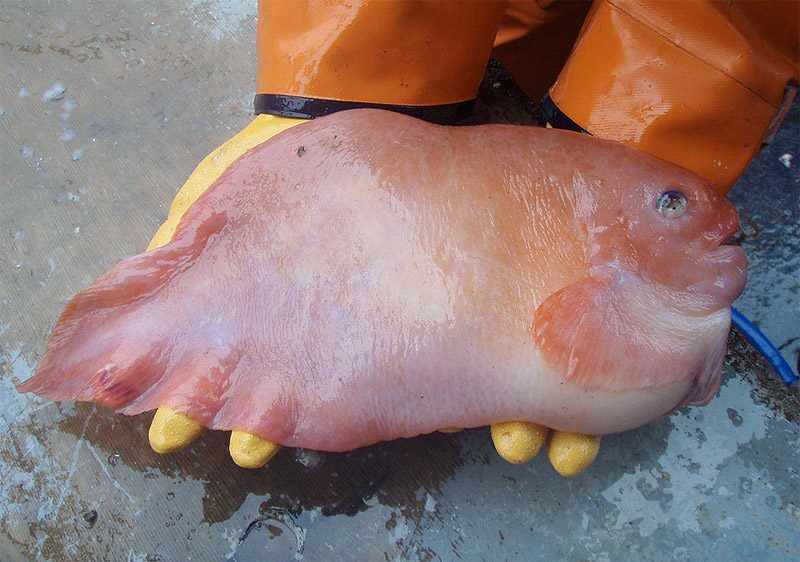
(654, 312)
(670, 227)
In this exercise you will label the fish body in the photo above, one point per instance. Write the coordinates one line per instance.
(368, 276)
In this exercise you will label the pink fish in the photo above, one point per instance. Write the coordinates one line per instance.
(368, 276)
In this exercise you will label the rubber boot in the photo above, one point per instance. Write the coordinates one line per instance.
(535, 39)
(424, 58)
(703, 84)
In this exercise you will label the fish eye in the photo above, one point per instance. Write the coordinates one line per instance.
(671, 204)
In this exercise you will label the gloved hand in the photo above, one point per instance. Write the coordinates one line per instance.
(171, 430)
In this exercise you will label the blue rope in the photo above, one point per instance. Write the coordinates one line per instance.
(765, 347)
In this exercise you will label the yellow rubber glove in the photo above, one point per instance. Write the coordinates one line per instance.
(516, 442)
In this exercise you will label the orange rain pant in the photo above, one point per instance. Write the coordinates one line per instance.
(702, 83)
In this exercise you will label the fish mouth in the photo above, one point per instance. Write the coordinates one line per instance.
(726, 232)
(723, 265)
(727, 273)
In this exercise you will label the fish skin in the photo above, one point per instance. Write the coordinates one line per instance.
(394, 277)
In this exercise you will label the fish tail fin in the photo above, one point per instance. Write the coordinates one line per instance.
(103, 348)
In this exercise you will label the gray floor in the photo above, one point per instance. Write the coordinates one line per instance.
(768, 199)
(105, 109)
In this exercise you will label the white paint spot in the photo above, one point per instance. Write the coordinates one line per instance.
(430, 504)
(786, 160)
(67, 135)
(692, 462)
(26, 152)
(51, 267)
(13, 405)
(77, 153)
(54, 92)
(67, 196)
(308, 459)
(22, 93)
(33, 446)
(313, 513)
(232, 537)
(67, 106)
(30, 158)
(400, 530)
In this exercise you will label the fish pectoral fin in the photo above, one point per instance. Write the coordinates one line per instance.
(602, 333)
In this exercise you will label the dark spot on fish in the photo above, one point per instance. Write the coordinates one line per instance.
(301, 151)
(90, 516)
(115, 395)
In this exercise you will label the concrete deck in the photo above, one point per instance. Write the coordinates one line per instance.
(106, 109)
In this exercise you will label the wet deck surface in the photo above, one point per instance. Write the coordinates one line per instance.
(105, 110)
